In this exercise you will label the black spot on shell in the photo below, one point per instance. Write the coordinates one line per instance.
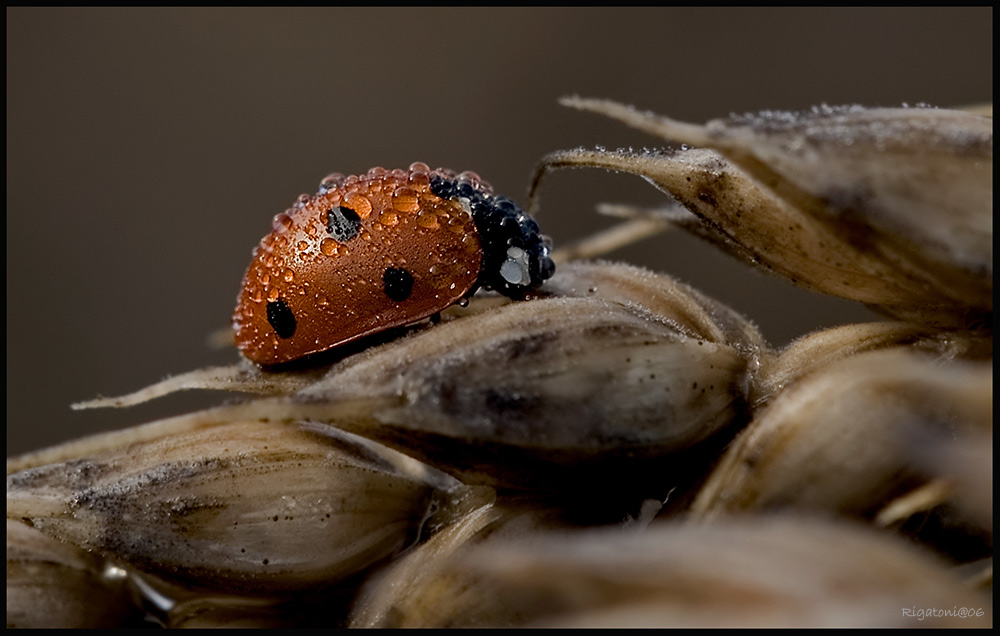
(342, 223)
(398, 283)
(281, 318)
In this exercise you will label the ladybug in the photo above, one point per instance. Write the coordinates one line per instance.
(370, 252)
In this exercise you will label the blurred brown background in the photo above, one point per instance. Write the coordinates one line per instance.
(148, 149)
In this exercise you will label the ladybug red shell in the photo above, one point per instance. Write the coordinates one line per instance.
(371, 252)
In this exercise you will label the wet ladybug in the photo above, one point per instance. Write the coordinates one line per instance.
(385, 249)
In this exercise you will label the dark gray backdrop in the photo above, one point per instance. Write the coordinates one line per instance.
(147, 150)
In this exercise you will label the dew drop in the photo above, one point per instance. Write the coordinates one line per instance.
(469, 177)
(405, 199)
(303, 246)
(288, 275)
(427, 220)
(419, 180)
(331, 182)
(328, 247)
(272, 295)
(282, 222)
(360, 204)
(388, 219)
